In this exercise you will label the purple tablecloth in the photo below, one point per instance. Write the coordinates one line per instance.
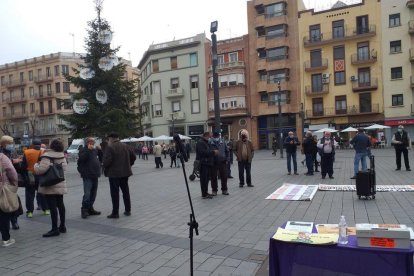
(303, 259)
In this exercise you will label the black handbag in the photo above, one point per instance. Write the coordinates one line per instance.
(53, 175)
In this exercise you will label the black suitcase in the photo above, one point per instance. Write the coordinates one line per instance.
(366, 181)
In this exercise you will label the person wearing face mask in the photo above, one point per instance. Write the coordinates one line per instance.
(326, 149)
(291, 142)
(220, 163)
(402, 142)
(243, 149)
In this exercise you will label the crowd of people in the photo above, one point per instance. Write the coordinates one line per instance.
(114, 159)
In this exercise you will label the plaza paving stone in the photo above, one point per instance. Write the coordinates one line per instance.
(234, 230)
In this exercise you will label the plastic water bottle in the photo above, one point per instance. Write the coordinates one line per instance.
(343, 237)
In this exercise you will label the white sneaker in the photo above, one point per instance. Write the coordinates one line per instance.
(7, 243)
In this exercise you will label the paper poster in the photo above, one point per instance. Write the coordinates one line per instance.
(300, 226)
(105, 36)
(380, 188)
(86, 73)
(302, 237)
(101, 96)
(333, 229)
(294, 192)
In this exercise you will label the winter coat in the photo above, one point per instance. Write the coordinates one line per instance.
(238, 150)
(222, 148)
(308, 145)
(89, 165)
(203, 153)
(118, 159)
(9, 173)
(291, 147)
(44, 164)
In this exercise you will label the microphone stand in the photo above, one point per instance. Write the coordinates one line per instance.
(193, 223)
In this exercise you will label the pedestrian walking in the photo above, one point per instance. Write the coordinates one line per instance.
(8, 176)
(139, 150)
(402, 142)
(361, 144)
(53, 194)
(219, 165)
(118, 159)
(30, 158)
(164, 150)
(326, 149)
(157, 150)
(291, 142)
(89, 167)
(274, 146)
(145, 151)
(244, 152)
(204, 154)
(308, 150)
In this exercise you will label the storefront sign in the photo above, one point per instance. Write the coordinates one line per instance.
(399, 122)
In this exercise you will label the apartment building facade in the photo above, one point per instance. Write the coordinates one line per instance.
(173, 85)
(274, 69)
(342, 65)
(233, 73)
(398, 60)
(33, 92)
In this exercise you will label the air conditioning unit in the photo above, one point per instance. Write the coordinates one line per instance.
(325, 80)
(325, 76)
(354, 78)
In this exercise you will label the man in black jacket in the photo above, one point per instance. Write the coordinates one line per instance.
(89, 168)
(308, 150)
(291, 143)
(118, 159)
(402, 142)
(205, 156)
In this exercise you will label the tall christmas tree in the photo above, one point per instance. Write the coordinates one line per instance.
(106, 100)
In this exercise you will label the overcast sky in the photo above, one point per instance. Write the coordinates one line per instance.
(30, 28)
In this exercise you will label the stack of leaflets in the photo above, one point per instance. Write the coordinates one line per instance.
(299, 231)
(333, 229)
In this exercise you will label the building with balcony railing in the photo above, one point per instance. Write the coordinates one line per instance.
(342, 55)
(397, 60)
(233, 75)
(273, 58)
(33, 92)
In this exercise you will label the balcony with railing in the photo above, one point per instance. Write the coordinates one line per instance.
(228, 65)
(410, 4)
(44, 95)
(365, 58)
(411, 27)
(361, 86)
(271, 108)
(315, 91)
(339, 36)
(316, 65)
(354, 110)
(47, 131)
(176, 116)
(145, 99)
(176, 92)
(16, 99)
(15, 83)
(43, 78)
(45, 112)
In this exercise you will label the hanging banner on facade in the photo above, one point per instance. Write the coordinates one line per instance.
(80, 106)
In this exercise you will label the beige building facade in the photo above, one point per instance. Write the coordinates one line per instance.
(398, 60)
(274, 70)
(341, 66)
(33, 92)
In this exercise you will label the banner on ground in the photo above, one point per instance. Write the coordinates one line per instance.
(294, 192)
(381, 188)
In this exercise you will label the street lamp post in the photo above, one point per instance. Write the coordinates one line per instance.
(213, 29)
(279, 119)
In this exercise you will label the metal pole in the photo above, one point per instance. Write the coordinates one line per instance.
(172, 128)
(279, 120)
(217, 126)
